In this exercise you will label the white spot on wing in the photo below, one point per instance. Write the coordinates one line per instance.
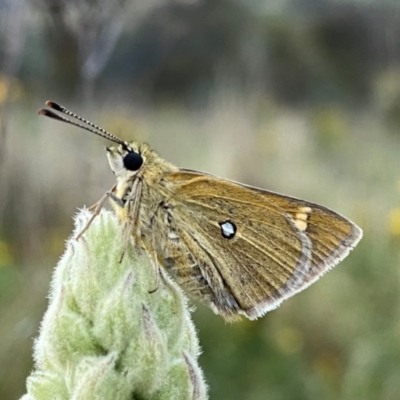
(228, 229)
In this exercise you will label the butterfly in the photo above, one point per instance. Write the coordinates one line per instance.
(240, 250)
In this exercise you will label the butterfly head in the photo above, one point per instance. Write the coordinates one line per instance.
(127, 159)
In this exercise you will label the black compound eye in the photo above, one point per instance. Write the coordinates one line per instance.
(133, 161)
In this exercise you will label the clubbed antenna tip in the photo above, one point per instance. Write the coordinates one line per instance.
(91, 128)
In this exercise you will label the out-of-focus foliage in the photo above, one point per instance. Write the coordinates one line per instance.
(301, 97)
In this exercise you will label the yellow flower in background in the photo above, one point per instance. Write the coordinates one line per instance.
(394, 221)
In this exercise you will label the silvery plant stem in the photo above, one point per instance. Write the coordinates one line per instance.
(104, 335)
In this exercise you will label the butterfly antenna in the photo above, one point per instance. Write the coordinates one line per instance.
(92, 127)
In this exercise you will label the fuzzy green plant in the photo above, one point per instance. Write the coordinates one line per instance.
(104, 336)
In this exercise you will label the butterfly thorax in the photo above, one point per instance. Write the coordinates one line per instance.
(142, 192)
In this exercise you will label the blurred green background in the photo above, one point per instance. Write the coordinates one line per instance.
(301, 97)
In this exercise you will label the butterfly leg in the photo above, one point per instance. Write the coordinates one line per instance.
(116, 199)
(156, 266)
(132, 203)
(96, 208)
(127, 236)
